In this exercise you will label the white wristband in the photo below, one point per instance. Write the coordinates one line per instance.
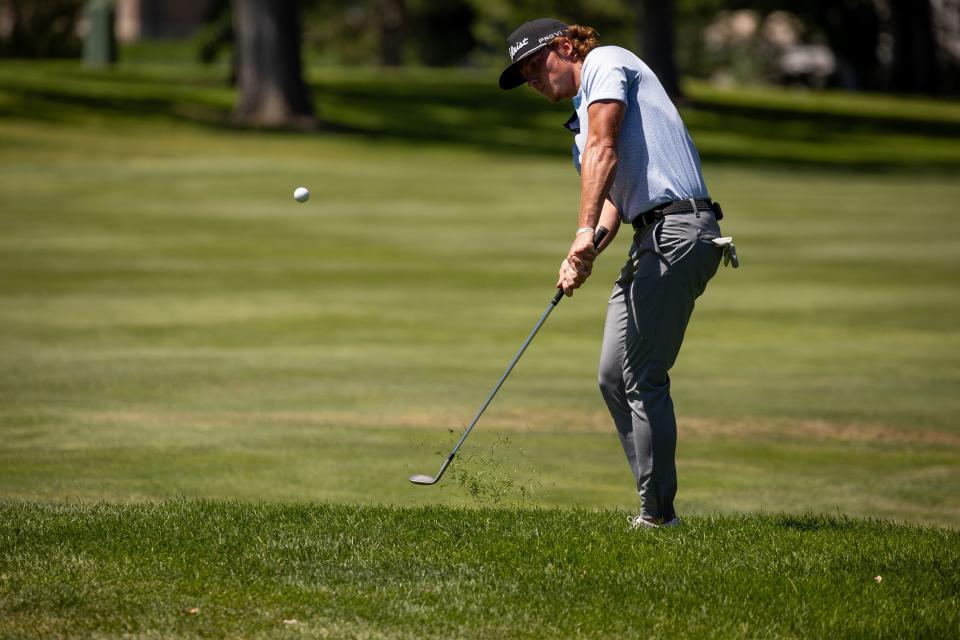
(584, 230)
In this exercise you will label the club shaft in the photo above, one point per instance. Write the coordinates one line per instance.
(486, 403)
(601, 233)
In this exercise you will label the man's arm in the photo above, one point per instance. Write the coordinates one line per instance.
(610, 220)
(598, 164)
(598, 167)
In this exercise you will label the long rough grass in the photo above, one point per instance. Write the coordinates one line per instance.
(215, 569)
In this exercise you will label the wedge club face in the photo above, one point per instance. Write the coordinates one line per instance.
(422, 479)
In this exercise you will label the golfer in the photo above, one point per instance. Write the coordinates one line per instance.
(638, 166)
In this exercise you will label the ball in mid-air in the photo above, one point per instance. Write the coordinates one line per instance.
(301, 194)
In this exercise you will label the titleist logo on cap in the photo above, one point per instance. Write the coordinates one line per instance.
(517, 46)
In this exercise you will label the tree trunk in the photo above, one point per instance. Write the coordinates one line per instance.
(270, 73)
(392, 32)
(853, 32)
(656, 30)
(915, 66)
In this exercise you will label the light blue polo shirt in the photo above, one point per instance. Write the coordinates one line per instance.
(657, 161)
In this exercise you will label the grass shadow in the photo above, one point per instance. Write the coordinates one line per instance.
(467, 109)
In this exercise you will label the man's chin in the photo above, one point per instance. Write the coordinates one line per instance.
(549, 96)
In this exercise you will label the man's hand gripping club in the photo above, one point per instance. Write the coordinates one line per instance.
(577, 266)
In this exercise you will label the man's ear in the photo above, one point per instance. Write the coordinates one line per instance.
(565, 47)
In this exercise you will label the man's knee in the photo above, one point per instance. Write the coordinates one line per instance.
(610, 380)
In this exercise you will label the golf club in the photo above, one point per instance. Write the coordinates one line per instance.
(425, 479)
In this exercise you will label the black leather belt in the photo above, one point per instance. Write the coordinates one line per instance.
(677, 206)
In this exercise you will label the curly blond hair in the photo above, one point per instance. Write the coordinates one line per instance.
(585, 39)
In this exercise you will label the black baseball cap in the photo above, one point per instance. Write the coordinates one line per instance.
(529, 38)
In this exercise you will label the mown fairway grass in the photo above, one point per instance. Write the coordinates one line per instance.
(173, 324)
(216, 569)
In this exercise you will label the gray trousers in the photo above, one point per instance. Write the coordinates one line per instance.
(669, 265)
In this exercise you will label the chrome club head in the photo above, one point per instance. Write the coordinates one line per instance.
(422, 479)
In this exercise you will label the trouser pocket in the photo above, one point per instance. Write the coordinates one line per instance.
(675, 239)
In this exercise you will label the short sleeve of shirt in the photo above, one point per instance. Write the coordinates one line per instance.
(604, 77)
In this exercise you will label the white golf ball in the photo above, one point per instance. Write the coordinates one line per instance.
(301, 194)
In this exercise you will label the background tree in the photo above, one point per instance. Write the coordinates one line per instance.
(656, 29)
(272, 92)
(31, 29)
(857, 30)
(443, 31)
(915, 66)
(852, 29)
(393, 19)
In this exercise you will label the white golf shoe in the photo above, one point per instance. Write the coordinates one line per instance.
(639, 522)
